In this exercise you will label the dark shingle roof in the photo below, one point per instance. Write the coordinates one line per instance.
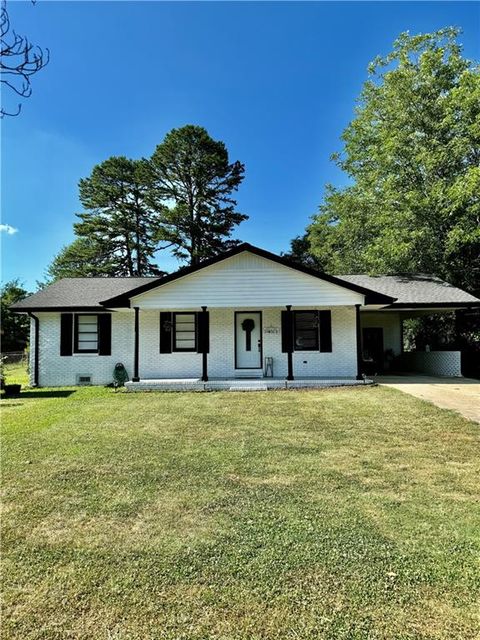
(87, 293)
(414, 289)
(79, 292)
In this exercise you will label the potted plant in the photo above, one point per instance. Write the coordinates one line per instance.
(9, 389)
(12, 389)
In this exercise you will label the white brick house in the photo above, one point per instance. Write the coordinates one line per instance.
(247, 313)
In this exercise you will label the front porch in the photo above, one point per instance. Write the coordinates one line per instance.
(225, 346)
(240, 384)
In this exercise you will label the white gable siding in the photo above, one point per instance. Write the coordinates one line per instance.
(246, 281)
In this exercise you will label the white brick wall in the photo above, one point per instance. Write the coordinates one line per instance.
(56, 370)
(340, 362)
(152, 363)
(437, 363)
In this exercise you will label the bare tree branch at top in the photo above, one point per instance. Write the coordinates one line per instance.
(19, 61)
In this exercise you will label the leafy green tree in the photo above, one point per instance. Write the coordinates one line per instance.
(412, 154)
(117, 234)
(301, 252)
(192, 193)
(14, 327)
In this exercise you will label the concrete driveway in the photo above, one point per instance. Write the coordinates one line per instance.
(460, 394)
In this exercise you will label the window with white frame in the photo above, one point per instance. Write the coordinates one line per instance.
(184, 332)
(86, 333)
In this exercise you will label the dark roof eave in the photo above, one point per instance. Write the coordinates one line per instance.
(371, 296)
(433, 305)
(378, 298)
(63, 308)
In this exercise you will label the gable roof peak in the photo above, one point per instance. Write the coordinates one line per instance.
(372, 296)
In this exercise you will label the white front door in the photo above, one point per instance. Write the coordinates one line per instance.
(248, 340)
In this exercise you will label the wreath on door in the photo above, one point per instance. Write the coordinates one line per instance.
(248, 325)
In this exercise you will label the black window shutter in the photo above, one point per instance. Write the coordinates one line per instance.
(66, 334)
(166, 330)
(203, 328)
(105, 334)
(325, 324)
(287, 332)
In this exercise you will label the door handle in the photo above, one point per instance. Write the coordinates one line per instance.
(259, 345)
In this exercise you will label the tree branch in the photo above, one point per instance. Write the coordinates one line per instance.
(18, 58)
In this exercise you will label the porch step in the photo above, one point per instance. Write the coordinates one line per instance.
(245, 387)
(249, 376)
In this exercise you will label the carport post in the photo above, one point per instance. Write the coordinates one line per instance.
(290, 343)
(136, 346)
(204, 337)
(359, 342)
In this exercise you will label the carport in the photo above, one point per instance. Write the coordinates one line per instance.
(382, 335)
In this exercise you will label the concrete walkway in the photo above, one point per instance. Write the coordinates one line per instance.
(460, 394)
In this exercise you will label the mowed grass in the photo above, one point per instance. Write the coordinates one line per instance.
(330, 514)
(16, 374)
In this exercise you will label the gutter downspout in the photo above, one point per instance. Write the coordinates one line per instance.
(36, 322)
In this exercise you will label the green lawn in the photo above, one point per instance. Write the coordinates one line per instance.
(334, 514)
(16, 374)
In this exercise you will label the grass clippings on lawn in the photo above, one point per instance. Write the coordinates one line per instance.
(334, 514)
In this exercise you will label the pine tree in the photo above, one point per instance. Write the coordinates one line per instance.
(192, 193)
(118, 232)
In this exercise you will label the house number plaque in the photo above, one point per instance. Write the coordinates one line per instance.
(271, 330)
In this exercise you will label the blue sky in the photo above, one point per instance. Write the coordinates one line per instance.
(277, 82)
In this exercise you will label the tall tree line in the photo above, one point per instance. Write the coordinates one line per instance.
(179, 199)
(412, 156)
(14, 327)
